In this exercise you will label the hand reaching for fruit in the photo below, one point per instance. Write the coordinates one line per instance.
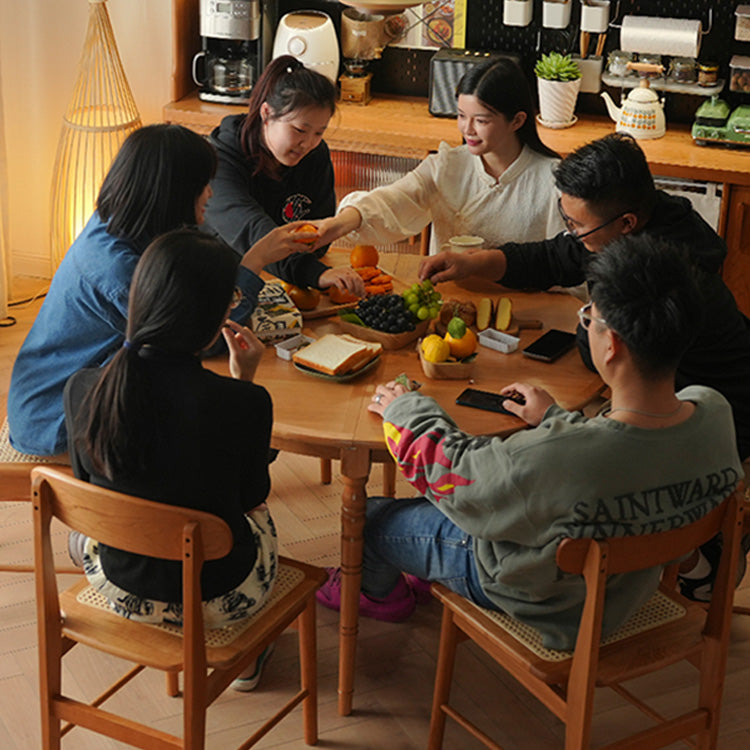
(278, 244)
(346, 279)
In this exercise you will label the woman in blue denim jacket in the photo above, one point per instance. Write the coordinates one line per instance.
(158, 181)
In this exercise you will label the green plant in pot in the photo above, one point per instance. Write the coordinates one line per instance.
(558, 82)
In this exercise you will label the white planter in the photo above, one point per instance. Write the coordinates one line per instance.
(595, 17)
(517, 12)
(556, 13)
(557, 102)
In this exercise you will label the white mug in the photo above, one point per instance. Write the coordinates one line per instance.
(462, 242)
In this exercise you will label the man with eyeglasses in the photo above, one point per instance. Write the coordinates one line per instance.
(607, 192)
(492, 510)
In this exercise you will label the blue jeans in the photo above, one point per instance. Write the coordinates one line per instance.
(413, 536)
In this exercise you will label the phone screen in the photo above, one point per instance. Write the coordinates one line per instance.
(483, 400)
(550, 345)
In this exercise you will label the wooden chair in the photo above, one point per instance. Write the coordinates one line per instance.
(75, 617)
(667, 629)
(15, 486)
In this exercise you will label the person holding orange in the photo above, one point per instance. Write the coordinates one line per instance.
(498, 185)
(274, 168)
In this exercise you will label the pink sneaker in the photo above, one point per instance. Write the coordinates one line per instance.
(420, 588)
(396, 607)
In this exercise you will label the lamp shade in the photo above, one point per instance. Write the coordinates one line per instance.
(100, 115)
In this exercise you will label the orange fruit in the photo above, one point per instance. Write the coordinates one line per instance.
(341, 297)
(308, 228)
(304, 299)
(463, 347)
(364, 255)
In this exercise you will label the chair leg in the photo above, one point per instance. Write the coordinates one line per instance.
(308, 662)
(173, 684)
(389, 479)
(325, 470)
(443, 678)
(50, 679)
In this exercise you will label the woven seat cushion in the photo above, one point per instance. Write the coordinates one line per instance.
(286, 579)
(659, 609)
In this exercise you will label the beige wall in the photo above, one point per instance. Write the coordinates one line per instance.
(40, 46)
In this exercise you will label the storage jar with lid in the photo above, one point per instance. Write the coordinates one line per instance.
(742, 23)
(649, 59)
(682, 70)
(617, 62)
(708, 73)
(739, 67)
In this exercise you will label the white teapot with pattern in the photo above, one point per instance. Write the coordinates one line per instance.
(642, 114)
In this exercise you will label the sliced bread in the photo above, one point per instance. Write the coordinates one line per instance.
(337, 354)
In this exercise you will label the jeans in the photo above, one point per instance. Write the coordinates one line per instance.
(413, 536)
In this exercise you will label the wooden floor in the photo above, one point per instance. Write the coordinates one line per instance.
(395, 662)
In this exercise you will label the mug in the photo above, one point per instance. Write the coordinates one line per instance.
(462, 242)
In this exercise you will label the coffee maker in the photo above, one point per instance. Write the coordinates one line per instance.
(233, 52)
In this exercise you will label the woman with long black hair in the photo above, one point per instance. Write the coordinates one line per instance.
(498, 185)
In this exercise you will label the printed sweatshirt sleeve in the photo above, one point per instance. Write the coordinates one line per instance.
(470, 479)
(394, 212)
(540, 265)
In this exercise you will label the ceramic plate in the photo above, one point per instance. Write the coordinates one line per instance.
(556, 125)
(338, 378)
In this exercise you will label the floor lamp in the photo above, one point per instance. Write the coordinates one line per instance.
(100, 115)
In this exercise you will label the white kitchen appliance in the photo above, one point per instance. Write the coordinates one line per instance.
(309, 35)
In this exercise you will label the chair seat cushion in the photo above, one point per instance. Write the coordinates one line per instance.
(88, 619)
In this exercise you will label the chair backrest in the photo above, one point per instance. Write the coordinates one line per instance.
(630, 553)
(130, 523)
(134, 525)
(596, 559)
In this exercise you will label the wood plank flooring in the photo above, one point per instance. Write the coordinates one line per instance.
(395, 662)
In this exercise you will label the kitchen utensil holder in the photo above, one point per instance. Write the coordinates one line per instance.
(594, 16)
(517, 12)
(556, 13)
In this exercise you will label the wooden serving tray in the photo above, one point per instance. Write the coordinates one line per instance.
(446, 370)
(388, 340)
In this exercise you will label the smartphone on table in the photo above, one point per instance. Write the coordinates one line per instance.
(551, 345)
(485, 400)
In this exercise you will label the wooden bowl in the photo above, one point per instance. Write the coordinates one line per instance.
(446, 370)
(388, 340)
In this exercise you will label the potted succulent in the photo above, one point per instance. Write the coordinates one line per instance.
(558, 81)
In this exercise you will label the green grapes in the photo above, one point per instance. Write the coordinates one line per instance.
(422, 300)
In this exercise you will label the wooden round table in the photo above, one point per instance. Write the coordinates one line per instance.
(318, 417)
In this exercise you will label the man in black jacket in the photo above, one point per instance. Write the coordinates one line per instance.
(607, 191)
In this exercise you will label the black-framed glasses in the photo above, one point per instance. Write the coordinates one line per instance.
(570, 224)
(585, 316)
(237, 297)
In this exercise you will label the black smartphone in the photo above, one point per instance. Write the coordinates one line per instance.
(484, 400)
(549, 346)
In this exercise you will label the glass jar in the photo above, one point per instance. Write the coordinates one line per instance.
(682, 70)
(708, 73)
(617, 62)
(650, 59)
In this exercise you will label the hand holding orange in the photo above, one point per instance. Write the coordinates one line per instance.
(308, 229)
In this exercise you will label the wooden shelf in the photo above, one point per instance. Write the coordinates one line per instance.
(403, 126)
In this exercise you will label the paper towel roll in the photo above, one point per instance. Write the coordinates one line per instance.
(679, 37)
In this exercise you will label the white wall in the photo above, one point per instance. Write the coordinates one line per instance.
(40, 46)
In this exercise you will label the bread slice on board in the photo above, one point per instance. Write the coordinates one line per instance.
(334, 354)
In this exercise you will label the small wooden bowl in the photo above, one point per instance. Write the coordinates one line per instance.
(446, 370)
(388, 340)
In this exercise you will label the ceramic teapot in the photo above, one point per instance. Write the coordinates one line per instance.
(642, 114)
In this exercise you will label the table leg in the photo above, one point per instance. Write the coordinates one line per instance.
(355, 467)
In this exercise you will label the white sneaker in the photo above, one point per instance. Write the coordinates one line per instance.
(246, 684)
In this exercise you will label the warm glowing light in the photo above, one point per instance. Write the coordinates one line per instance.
(101, 114)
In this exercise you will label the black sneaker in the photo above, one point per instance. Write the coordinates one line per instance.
(699, 589)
